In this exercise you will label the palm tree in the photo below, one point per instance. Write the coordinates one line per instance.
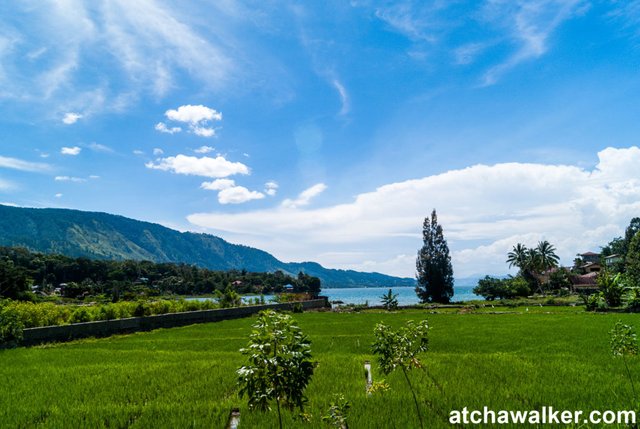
(518, 256)
(547, 255)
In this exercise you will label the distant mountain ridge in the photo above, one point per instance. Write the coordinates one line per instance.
(97, 235)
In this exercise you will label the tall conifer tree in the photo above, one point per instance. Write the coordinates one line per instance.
(433, 265)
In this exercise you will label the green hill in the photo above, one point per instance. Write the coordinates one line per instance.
(105, 236)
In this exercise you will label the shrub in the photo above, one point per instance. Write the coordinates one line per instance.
(279, 367)
(80, 315)
(400, 349)
(10, 326)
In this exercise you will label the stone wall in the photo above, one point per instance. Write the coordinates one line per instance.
(104, 328)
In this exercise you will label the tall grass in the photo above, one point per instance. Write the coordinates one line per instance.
(185, 377)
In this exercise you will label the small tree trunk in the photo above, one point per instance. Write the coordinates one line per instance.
(633, 387)
(415, 399)
(279, 416)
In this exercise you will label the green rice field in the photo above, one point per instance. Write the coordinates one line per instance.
(522, 359)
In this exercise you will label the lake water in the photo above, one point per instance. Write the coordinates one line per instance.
(371, 295)
(406, 295)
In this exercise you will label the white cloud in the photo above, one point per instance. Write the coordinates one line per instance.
(58, 195)
(69, 179)
(162, 127)
(198, 118)
(218, 185)
(238, 195)
(157, 151)
(203, 131)
(204, 149)
(483, 209)
(217, 167)
(94, 177)
(71, 118)
(73, 151)
(97, 147)
(271, 188)
(193, 114)
(229, 193)
(19, 164)
(305, 197)
(138, 152)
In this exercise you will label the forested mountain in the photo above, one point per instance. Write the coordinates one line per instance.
(105, 236)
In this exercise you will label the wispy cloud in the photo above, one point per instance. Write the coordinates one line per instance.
(19, 164)
(344, 97)
(529, 24)
(69, 179)
(146, 46)
(97, 147)
(305, 196)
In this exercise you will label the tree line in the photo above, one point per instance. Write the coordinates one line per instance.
(23, 272)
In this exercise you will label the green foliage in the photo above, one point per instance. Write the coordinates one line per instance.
(400, 349)
(624, 341)
(493, 288)
(533, 262)
(632, 260)
(32, 315)
(433, 264)
(10, 325)
(338, 412)
(13, 279)
(228, 298)
(559, 280)
(378, 387)
(79, 278)
(611, 288)
(390, 300)
(279, 364)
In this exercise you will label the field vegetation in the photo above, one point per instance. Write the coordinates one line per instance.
(186, 377)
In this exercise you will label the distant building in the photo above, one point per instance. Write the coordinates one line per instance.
(288, 288)
(590, 257)
(612, 260)
(590, 263)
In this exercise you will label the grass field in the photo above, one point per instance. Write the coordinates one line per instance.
(185, 377)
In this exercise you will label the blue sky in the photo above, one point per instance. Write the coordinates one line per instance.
(327, 131)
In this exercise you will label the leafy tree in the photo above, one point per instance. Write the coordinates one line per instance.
(632, 260)
(518, 256)
(493, 288)
(390, 300)
(611, 288)
(13, 279)
(533, 262)
(547, 257)
(400, 349)
(433, 264)
(624, 342)
(279, 367)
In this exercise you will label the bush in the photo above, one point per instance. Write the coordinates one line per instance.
(80, 315)
(493, 288)
(10, 326)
